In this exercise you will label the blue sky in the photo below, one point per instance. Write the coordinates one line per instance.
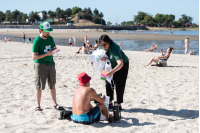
(115, 11)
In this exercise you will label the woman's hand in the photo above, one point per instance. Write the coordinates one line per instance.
(104, 59)
(109, 74)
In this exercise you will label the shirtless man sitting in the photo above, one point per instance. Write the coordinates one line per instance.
(83, 111)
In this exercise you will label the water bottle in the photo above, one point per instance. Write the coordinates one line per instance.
(116, 112)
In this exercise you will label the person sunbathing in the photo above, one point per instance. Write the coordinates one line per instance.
(6, 39)
(156, 59)
(82, 110)
(152, 48)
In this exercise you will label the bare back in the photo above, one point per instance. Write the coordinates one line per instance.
(81, 100)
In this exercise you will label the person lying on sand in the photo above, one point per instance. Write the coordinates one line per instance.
(6, 39)
(156, 59)
(82, 110)
(152, 48)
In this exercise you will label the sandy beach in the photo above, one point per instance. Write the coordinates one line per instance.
(67, 33)
(169, 95)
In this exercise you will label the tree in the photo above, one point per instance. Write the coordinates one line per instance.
(68, 12)
(32, 17)
(24, 17)
(138, 18)
(2, 16)
(101, 15)
(148, 19)
(51, 14)
(185, 19)
(62, 15)
(75, 10)
(44, 15)
(96, 12)
(58, 13)
(88, 11)
(159, 18)
(109, 23)
(97, 20)
(15, 15)
(8, 15)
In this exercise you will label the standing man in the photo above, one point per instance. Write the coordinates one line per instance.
(23, 37)
(70, 42)
(74, 41)
(44, 65)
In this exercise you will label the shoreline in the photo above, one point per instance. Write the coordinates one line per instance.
(93, 34)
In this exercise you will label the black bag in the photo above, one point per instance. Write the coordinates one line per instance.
(64, 114)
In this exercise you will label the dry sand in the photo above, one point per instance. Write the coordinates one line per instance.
(67, 33)
(170, 94)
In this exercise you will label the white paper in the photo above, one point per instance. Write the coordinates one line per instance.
(106, 103)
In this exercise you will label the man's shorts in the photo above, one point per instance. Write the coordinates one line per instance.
(88, 118)
(70, 44)
(44, 72)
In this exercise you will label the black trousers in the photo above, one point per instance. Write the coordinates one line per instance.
(119, 79)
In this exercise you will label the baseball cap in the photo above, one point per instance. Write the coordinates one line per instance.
(45, 26)
(83, 78)
(88, 41)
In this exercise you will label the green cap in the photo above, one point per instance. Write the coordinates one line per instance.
(45, 26)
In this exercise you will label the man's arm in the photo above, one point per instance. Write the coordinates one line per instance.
(96, 97)
(35, 56)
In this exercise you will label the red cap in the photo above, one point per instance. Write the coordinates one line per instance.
(83, 78)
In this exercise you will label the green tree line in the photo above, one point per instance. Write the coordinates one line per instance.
(20, 17)
(159, 20)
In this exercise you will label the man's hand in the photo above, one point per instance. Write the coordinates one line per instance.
(104, 59)
(50, 53)
(103, 97)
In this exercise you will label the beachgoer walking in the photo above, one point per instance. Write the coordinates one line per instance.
(186, 44)
(74, 41)
(44, 64)
(70, 42)
(83, 111)
(24, 36)
(120, 66)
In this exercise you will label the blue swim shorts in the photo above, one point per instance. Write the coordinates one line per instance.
(85, 118)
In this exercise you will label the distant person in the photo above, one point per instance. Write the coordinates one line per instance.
(83, 111)
(74, 41)
(85, 39)
(44, 66)
(152, 48)
(120, 45)
(24, 36)
(96, 45)
(155, 32)
(171, 33)
(6, 39)
(156, 59)
(70, 42)
(186, 44)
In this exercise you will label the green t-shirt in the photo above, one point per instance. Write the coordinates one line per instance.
(42, 46)
(114, 53)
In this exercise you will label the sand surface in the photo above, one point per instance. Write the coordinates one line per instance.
(67, 33)
(169, 95)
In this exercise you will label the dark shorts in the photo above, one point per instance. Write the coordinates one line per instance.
(24, 38)
(88, 118)
(44, 73)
